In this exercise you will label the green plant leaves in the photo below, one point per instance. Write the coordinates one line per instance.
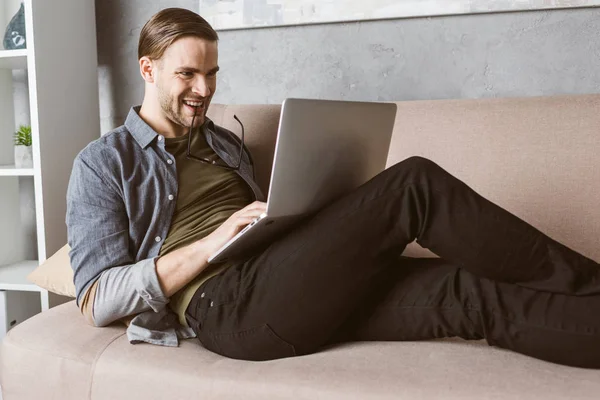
(23, 136)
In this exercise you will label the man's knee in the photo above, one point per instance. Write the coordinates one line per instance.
(415, 164)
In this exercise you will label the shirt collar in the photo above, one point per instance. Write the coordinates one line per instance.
(144, 134)
(139, 129)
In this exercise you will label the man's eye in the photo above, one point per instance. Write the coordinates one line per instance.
(186, 74)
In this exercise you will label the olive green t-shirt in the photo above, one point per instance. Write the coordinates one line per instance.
(207, 196)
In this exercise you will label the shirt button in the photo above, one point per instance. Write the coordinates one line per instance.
(160, 138)
(171, 197)
(169, 161)
(203, 294)
(157, 239)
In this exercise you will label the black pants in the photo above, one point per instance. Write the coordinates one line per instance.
(339, 277)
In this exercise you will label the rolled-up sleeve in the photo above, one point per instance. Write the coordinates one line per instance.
(98, 234)
(128, 290)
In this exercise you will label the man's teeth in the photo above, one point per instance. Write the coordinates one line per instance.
(194, 103)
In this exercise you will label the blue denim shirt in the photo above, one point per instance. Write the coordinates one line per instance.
(120, 201)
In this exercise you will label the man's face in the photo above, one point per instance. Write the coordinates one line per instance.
(187, 79)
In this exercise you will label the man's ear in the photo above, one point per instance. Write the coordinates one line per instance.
(148, 69)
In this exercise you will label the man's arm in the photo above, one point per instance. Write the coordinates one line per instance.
(98, 233)
(179, 267)
(113, 299)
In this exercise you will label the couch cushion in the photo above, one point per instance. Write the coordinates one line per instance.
(55, 350)
(56, 355)
(448, 369)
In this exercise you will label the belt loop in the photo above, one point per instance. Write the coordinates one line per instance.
(194, 305)
(201, 299)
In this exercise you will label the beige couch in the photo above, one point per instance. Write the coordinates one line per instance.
(537, 157)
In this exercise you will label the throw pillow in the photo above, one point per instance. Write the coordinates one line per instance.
(55, 274)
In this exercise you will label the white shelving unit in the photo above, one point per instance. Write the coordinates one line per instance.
(12, 277)
(13, 59)
(10, 170)
(58, 97)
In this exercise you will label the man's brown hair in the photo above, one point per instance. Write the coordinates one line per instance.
(168, 25)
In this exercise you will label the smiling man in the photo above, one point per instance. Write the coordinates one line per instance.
(138, 203)
(149, 202)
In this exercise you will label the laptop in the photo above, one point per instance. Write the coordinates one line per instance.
(324, 150)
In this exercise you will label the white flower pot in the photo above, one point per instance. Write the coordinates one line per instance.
(23, 157)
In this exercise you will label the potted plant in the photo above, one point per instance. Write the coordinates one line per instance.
(23, 153)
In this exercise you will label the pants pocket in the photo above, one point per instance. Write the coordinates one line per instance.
(260, 343)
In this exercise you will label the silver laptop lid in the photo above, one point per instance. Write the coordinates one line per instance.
(325, 149)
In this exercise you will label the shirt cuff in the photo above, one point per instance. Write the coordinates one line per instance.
(148, 286)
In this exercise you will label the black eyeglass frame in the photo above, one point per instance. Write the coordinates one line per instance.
(190, 156)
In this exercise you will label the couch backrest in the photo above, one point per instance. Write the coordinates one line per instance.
(537, 157)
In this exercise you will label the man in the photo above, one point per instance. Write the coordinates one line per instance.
(144, 214)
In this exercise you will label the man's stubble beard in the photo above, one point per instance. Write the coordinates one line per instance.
(170, 107)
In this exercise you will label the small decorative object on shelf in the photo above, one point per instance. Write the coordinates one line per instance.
(14, 37)
(23, 153)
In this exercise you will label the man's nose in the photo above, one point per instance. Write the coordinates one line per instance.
(201, 87)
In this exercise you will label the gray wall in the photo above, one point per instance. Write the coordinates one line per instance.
(468, 56)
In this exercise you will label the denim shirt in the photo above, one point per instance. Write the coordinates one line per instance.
(120, 201)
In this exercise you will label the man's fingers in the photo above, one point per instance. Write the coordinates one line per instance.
(243, 221)
(254, 209)
(257, 205)
(250, 214)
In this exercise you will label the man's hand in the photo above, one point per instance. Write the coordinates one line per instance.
(233, 225)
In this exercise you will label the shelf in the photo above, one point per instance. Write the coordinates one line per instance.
(13, 59)
(14, 276)
(10, 170)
